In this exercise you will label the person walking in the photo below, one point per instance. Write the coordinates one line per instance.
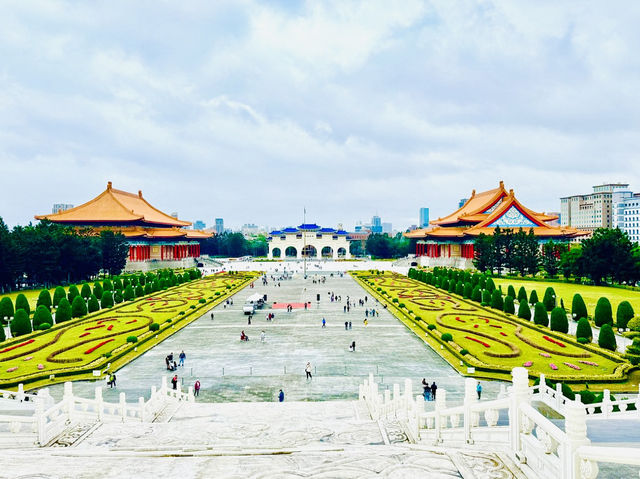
(426, 389)
(434, 388)
(196, 388)
(182, 357)
(262, 336)
(307, 370)
(324, 323)
(174, 382)
(479, 390)
(281, 396)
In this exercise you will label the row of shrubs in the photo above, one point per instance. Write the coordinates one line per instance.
(481, 288)
(78, 303)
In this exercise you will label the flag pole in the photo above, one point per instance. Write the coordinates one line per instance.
(304, 242)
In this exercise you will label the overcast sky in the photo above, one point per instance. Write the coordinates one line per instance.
(249, 110)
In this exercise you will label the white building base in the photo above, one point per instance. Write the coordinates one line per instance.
(448, 262)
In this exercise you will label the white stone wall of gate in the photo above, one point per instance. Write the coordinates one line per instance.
(540, 447)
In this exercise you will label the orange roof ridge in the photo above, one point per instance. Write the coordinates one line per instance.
(477, 203)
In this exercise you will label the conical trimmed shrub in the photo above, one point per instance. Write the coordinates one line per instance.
(583, 329)
(578, 308)
(129, 293)
(63, 313)
(508, 305)
(549, 299)
(107, 300)
(44, 299)
(624, 314)
(23, 303)
(73, 292)
(511, 291)
(524, 311)
(476, 294)
(6, 309)
(85, 291)
(559, 320)
(58, 294)
(522, 295)
(533, 297)
(41, 315)
(486, 297)
(490, 285)
(78, 307)
(603, 314)
(540, 314)
(496, 300)
(607, 338)
(93, 304)
(20, 324)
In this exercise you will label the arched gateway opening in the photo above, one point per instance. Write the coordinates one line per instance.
(291, 252)
(276, 253)
(309, 251)
(342, 252)
(327, 252)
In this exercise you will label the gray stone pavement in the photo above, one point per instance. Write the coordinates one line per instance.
(231, 370)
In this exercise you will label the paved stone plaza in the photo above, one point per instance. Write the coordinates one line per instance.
(232, 370)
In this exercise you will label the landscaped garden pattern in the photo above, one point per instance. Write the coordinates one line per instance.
(490, 341)
(80, 346)
(565, 292)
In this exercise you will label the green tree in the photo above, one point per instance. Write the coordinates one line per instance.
(6, 309)
(559, 320)
(483, 253)
(540, 315)
(58, 294)
(44, 299)
(571, 263)
(496, 300)
(608, 255)
(115, 250)
(583, 329)
(578, 308)
(93, 305)
(508, 305)
(78, 307)
(20, 324)
(107, 300)
(551, 253)
(603, 314)
(549, 299)
(41, 315)
(85, 291)
(63, 313)
(624, 314)
(607, 338)
(23, 303)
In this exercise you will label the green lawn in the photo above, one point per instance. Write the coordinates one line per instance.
(495, 341)
(590, 294)
(87, 344)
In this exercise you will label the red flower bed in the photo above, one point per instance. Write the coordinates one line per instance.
(17, 346)
(503, 333)
(475, 325)
(551, 340)
(90, 350)
(461, 320)
(84, 334)
(495, 326)
(132, 321)
(110, 327)
(478, 341)
(94, 327)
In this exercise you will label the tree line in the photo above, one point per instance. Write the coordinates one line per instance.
(384, 246)
(607, 256)
(234, 245)
(47, 254)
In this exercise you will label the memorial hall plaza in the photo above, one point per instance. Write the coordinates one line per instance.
(233, 370)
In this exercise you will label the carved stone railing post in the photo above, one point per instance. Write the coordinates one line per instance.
(99, 403)
(69, 402)
(575, 426)
(143, 412)
(519, 395)
(20, 393)
(606, 403)
(559, 396)
(469, 418)
(123, 406)
(441, 421)
(40, 418)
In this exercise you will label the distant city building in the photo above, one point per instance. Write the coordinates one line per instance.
(199, 225)
(593, 210)
(462, 202)
(219, 228)
(376, 224)
(250, 229)
(413, 227)
(626, 213)
(387, 228)
(424, 217)
(174, 214)
(57, 207)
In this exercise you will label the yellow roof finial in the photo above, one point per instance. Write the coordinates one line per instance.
(140, 193)
(109, 185)
(501, 184)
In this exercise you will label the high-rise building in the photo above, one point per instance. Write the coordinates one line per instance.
(174, 214)
(626, 213)
(462, 202)
(199, 225)
(424, 217)
(387, 228)
(591, 211)
(57, 207)
(376, 224)
(219, 228)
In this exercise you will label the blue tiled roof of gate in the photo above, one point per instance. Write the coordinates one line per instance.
(308, 227)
